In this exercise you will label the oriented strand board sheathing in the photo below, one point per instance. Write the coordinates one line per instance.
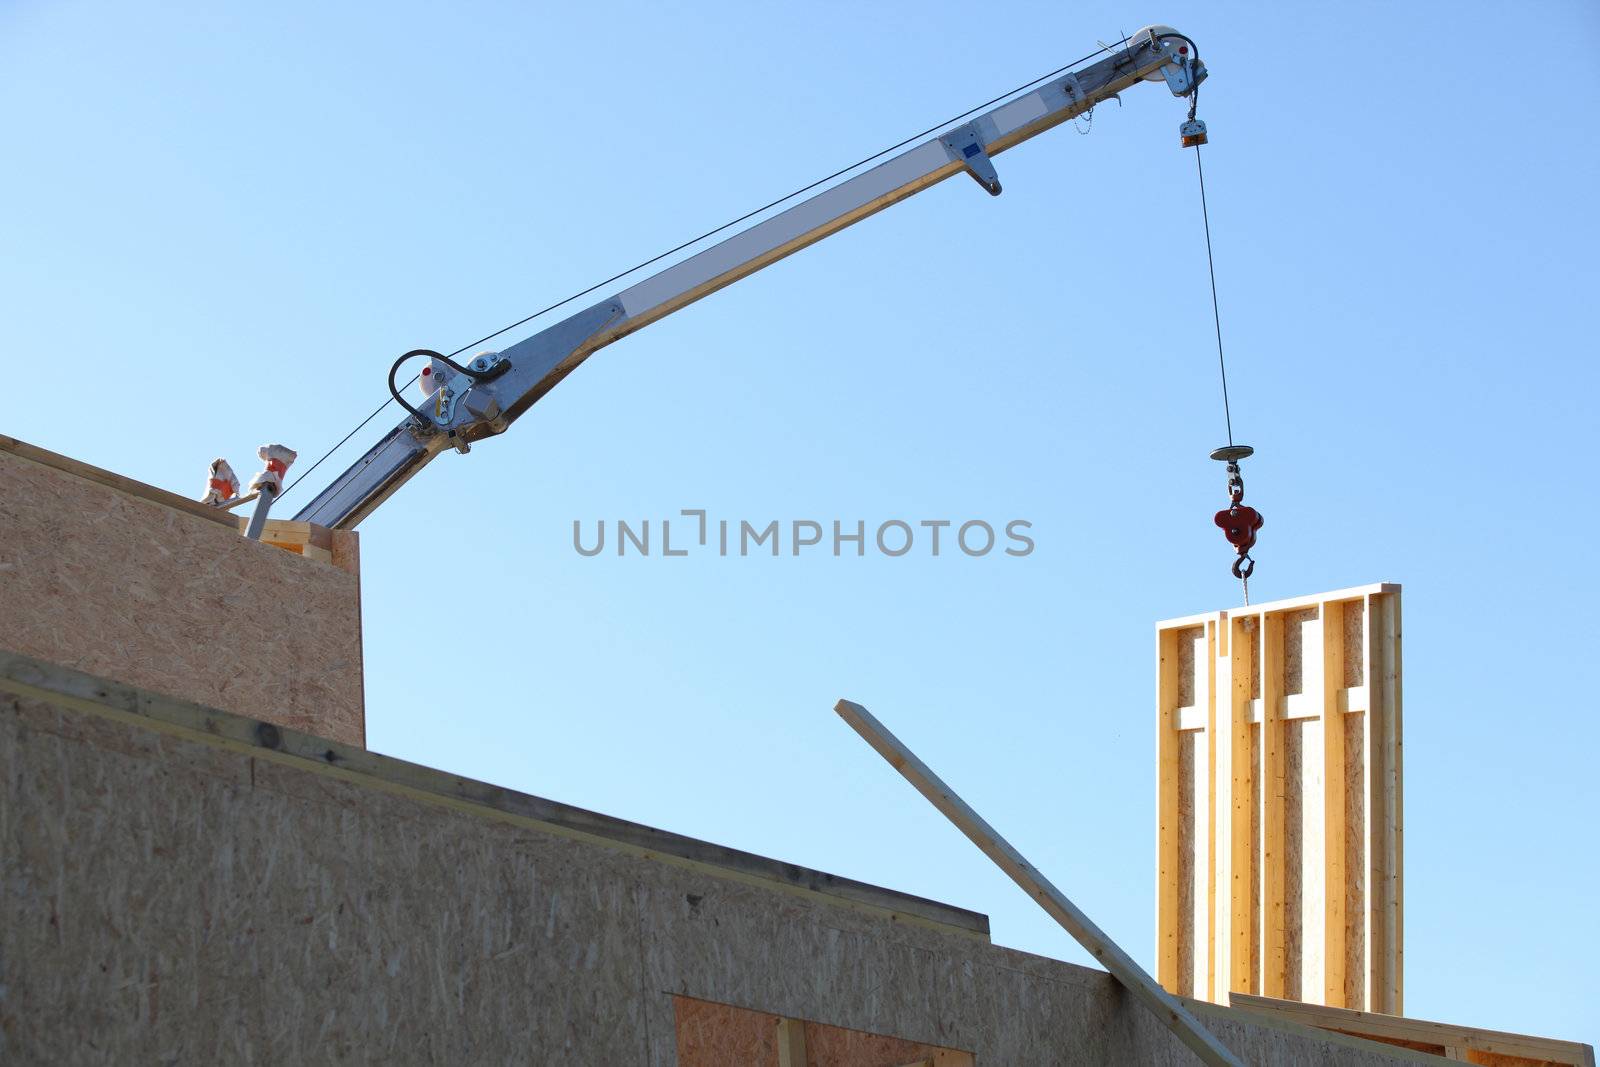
(184, 887)
(722, 1035)
(834, 1046)
(120, 581)
(1280, 832)
(714, 1035)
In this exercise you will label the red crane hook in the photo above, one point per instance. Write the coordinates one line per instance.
(1239, 521)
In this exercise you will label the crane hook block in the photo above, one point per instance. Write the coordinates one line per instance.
(1239, 525)
(1193, 133)
(1238, 521)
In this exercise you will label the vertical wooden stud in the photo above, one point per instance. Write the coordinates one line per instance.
(1384, 799)
(1235, 934)
(1274, 837)
(1167, 810)
(1333, 804)
(791, 1043)
(1222, 831)
(1205, 816)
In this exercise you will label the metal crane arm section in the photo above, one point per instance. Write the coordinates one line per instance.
(469, 407)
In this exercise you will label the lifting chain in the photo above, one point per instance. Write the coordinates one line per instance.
(1239, 522)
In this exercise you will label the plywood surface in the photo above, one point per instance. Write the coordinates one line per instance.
(67, 465)
(123, 584)
(723, 1035)
(181, 896)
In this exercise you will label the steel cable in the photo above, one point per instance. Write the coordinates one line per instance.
(709, 233)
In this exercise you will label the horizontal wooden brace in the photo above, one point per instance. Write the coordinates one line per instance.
(1359, 592)
(1305, 705)
(1352, 701)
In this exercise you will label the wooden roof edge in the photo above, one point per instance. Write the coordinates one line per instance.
(99, 475)
(1422, 1031)
(27, 676)
(1310, 600)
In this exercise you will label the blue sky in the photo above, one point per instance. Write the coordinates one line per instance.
(224, 221)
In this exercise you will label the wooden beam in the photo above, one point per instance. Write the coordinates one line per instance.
(1306, 876)
(1383, 686)
(1173, 1015)
(1235, 876)
(1274, 835)
(1220, 789)
(1540, 1050)
(1356, 592)
(1300, 706)
(1168, 831)
(791, 1038)
(1204, 806)
(1352, 700)
(302, 538)
(1333, 803)
(1348, 701)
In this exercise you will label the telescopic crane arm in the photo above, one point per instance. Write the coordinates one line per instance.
(487, 396)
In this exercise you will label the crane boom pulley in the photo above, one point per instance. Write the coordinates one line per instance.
(483, 398)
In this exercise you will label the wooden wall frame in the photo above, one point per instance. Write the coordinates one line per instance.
(1279, 804)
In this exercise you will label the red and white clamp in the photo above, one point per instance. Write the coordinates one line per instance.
(223, 485)
(277, 459)
(268, 485)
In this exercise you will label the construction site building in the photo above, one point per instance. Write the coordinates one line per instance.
(203, 864)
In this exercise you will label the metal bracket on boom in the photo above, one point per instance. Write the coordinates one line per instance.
(456, 388)
(968, 149)
(1183, 71)
(1181, 76)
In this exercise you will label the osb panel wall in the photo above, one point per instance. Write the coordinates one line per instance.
(170, 899)
(722, 1035)
(103, 580)
(1279, 841)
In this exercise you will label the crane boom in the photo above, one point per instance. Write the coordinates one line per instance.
(496, 389)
